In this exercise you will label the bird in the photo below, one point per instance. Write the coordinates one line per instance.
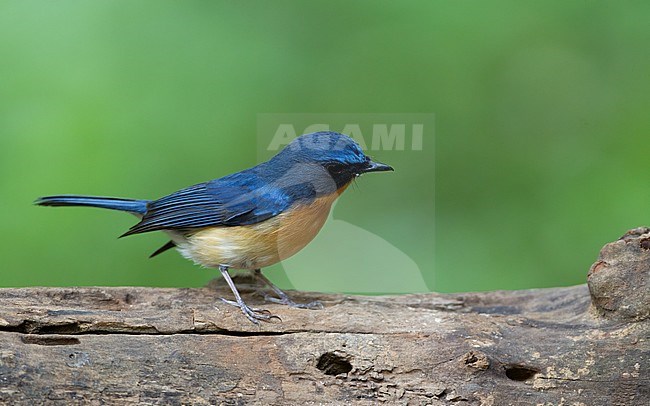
(251, 219)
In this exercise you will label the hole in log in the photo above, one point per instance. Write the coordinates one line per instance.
(645, 243)
(43, 340)
(520, 372)
(332, 364)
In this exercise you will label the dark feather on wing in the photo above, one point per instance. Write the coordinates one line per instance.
(169, 245)
(238, 199)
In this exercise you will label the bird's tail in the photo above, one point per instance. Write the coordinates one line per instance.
(112, 203)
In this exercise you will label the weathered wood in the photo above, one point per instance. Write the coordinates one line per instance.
(183, 346)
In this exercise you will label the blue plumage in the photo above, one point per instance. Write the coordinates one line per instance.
(239, 199)
(311, 166)
(138, 207)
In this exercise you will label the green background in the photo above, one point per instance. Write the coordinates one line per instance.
(540, 146)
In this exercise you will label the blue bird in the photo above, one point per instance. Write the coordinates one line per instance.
(250, 219)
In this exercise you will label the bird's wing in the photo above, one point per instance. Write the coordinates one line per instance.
(238, 199)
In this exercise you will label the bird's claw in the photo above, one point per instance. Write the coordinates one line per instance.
(253, 314)
(315, 305)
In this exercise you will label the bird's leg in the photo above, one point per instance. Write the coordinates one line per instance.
(251, 313)
(283, 298)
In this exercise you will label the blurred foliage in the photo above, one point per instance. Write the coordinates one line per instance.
(540, 144)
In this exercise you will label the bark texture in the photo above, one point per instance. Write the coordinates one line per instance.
(581, 345)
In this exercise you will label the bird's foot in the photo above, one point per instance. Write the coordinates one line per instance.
(285, 300)
(253, 314)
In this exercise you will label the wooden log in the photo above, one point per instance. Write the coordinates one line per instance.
(581, 345)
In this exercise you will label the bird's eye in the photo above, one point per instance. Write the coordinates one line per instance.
(335, 168)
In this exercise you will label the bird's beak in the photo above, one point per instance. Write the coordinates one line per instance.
(373, 166)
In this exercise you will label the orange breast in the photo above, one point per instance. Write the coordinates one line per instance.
(259, 245)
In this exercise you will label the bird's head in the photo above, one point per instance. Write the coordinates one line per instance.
(339, 155)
